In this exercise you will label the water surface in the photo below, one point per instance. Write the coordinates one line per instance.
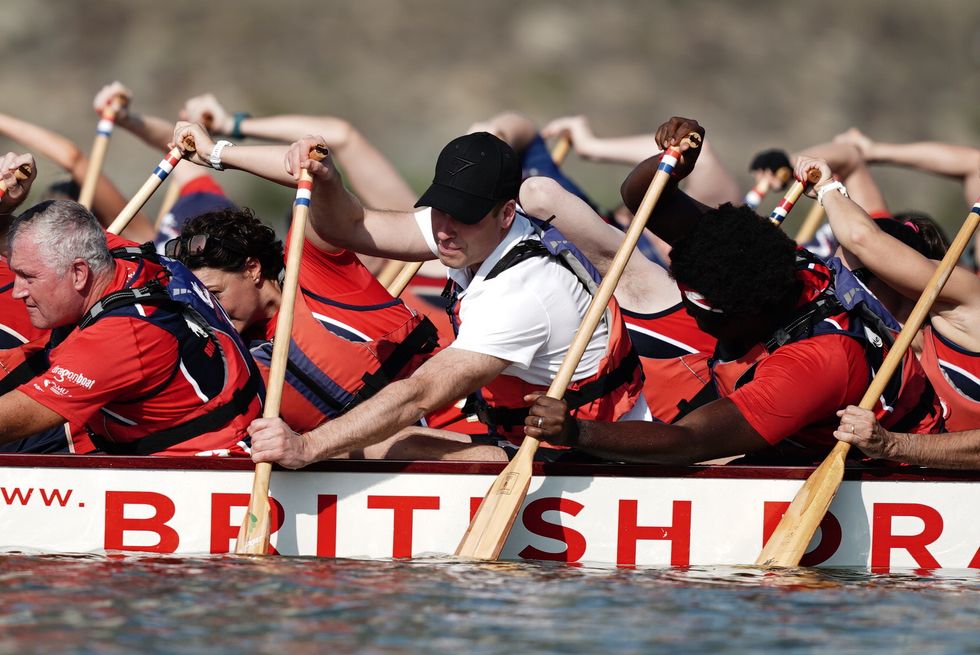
(127, 604)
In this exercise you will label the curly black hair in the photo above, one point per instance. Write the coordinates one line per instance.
(739, 261)
(236, 234)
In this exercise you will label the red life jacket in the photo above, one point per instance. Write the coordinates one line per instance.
(674, 353)
(332, 368)
(607, 395)
(210, 351)
(835, 303)
(955, 374)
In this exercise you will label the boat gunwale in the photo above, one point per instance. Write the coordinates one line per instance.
(728, 471)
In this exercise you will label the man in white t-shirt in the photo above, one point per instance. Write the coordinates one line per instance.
(517, 321)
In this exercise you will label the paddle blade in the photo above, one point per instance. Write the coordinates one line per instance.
(491, 524)
(791, 537)
(253, 536)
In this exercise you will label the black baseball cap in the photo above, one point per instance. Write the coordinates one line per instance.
(473, 173)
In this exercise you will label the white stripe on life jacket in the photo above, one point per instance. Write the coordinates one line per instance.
(193, 383)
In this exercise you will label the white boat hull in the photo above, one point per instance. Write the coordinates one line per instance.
(614, 515)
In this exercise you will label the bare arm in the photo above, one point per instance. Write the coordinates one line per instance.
(713, 431)
(618, 150)
(958, 162)
(845, 161)
(21, 417)
(370, 174)
(514, 128)
(901, 267)
(953, 450)
(447, 377)
(338, 216)
(645, 286)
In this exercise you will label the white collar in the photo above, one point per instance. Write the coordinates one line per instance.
(519, 231)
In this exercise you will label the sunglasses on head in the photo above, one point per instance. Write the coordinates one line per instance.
(198, 244)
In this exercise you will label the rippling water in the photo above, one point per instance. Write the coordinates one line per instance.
(126, 604)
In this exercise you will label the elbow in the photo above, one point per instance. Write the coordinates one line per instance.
(538, 195)
(859, 239)
(345, 134)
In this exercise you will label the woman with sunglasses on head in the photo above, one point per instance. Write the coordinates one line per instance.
(350, 337)
(950, 350)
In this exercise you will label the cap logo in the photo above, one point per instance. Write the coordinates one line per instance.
(461, 165)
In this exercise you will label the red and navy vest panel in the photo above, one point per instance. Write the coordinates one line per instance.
(674, 353)
(955, 374)
(332, 366)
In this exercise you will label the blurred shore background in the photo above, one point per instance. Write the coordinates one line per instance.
(412, 75)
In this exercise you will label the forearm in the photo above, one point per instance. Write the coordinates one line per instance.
(939, 158)
(399, 405)
(372, 176)
(645, 442)
(957, 450)
(155, 132)
(618, 150)
(842, 158)
(711, 182)
(676, 212)
(21, 417)
(292, 127)
(41, 141)
(262, 161)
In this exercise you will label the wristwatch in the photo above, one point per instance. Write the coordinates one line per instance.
(831, 186)
(216, 154)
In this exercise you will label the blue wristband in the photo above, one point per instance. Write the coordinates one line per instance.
(236, 125)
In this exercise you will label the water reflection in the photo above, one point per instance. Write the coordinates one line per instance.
(124, 604)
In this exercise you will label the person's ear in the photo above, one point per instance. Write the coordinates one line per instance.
(253, 270)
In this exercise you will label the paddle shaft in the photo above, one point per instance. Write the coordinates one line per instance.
(812, 222)
(490, 527)
(561, 148)
(796, 190)
(152, 183)
(102, 133)
(390, 271)
(253, 538)
(404, 276)
(169, 200)
(788, 542)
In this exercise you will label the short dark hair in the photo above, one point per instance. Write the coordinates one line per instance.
(739, 261)
(248, 236)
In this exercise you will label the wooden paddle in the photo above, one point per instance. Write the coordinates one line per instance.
(102, 133)
(755, 195)
(390, 271)
(811, 224)
(404, 276)
(253, 537)
(491, 525)
(22, 172)
(169, 200)
(152, 183)
(781, 210)
(561, 148)
(791, 537)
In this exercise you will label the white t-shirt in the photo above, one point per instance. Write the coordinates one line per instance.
(528, 314)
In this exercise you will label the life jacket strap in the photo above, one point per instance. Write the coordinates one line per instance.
(164, 439)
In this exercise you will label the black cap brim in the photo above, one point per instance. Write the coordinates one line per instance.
(463, 207)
